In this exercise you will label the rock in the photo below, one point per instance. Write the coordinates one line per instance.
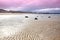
(26, 16)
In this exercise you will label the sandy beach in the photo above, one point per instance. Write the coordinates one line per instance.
(18, 27)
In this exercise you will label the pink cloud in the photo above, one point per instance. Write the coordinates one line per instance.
(29, 3)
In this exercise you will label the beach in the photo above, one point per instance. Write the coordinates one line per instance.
(32, 27)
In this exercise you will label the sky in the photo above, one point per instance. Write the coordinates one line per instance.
(29, 4)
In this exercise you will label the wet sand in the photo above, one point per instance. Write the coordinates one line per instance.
(42, 29)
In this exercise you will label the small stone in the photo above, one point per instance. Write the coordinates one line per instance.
(26, 16)
(49, 16)
(36, 18)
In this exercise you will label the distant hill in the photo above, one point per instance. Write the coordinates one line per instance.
(5, 11)
(39, 11)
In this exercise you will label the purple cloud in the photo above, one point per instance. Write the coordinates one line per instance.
(30, 4)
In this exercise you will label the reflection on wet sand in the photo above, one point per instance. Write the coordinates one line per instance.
(31, 27)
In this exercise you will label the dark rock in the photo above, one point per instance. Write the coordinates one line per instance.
(36, 18)
(49, 16)
(26, 16)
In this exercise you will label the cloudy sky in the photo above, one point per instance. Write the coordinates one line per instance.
(29, 4)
